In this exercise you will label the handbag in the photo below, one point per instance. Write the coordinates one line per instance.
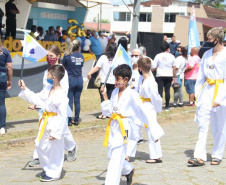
(97, 81)
(177, 81)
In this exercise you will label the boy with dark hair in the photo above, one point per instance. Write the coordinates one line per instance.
(52, 126)
(124, 103)
(148, 90)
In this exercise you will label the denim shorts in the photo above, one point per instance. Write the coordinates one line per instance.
(190, 86)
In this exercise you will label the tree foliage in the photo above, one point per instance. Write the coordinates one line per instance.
(219, 4)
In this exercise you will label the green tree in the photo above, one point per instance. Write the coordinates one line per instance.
(219, 4)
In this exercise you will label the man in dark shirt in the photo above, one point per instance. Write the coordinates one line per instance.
(173, 46)
(11, 11)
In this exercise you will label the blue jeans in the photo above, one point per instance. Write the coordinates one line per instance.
(3, 86)
(190, 86)
(74, 94)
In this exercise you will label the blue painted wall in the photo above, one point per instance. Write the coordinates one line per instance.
(35, 15)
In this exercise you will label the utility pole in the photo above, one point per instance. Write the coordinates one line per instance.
(100, 16)
(136, 14)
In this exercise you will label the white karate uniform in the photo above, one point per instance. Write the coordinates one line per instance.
(128, 105)
(131, 146)
(50, 152)
(149, 89)
(213, 70)
(68, 137)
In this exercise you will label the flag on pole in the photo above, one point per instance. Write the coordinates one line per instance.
(121, 57)
(193, 34)
(32, 50)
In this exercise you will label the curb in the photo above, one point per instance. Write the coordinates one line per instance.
(23, 140)
(22, 121)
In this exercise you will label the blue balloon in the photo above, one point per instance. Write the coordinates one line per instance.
(78, 38)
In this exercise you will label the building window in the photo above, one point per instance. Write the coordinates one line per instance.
(145, 17)
(58, 16)
(171, 17)
(122, 16)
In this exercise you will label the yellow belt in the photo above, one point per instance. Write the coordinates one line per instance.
(45, 115)
(145, 100)
(212, 82)
(119, 118)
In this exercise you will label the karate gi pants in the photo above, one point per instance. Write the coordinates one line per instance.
(51, 155)
(117, 165)
(203, 117)
(155, 150)
(69, 143)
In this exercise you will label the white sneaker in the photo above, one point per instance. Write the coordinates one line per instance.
(2, 130)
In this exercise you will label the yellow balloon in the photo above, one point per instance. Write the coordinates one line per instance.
(70, 28)
(64, 37)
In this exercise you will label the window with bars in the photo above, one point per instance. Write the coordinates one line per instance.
(171, 17)
(145, 17)
(122, 16)
(57, 16)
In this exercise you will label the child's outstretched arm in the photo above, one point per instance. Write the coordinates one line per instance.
(21, 84)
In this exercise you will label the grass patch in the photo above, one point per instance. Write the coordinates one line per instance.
(17, 108)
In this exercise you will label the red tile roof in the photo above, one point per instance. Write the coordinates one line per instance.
(214, 11)
(210, 22)
(156, 2)
(93, 26)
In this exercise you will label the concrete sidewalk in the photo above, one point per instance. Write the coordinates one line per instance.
(90, 167)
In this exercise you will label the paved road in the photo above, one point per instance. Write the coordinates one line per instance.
(90, 167)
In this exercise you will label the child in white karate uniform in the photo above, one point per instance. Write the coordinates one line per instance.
(53, 125)
(123, 104)
(53, 57)
(210, 92)
(148, 90)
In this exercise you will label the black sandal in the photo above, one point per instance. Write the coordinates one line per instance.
(101, 117)
(196, 162)
(153, 161)
(215, 160)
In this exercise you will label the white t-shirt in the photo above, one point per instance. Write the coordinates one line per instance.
(153, 65)
(164, 63)
(104, 64)
(103, 43)
(180, 63)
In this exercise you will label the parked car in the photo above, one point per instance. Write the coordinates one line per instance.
(19, 34)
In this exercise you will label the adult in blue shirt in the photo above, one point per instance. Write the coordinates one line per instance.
(173, 46)
(6, 73)
(73, 62)
(51, 36)
(95, 45)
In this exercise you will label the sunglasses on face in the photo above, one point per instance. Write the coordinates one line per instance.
(178, 50)
(134, 55)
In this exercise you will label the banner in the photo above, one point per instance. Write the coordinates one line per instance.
(193, 34)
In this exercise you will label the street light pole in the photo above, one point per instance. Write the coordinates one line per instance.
(136, 14)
